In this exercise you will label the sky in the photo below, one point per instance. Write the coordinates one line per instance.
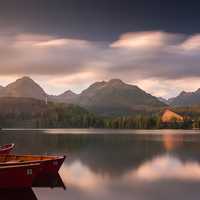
(70, 44)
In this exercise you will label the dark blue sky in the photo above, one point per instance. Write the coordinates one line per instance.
(102, 20)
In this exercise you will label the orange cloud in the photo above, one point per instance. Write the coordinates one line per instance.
(144, 40)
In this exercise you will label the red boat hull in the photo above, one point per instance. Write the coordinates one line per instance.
(21, 176)
(48, 169)
(49, 174)
(52, 166)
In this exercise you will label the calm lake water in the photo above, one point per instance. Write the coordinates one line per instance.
(116, 164)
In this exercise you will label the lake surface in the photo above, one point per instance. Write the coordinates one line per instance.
(116, 164)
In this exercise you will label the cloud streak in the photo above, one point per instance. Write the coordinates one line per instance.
(134, 57)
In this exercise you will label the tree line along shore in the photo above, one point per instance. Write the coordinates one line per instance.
(36, 114)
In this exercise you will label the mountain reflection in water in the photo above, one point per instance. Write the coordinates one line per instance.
(165, 165)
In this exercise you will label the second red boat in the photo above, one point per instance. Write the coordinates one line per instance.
(6, 149)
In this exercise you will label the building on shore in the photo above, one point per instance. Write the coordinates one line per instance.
(169, 116)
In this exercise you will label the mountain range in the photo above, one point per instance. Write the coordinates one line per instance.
(184, 99)
(111, 97)
(105, 97)
(116, 96)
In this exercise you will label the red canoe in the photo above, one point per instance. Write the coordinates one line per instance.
(6, 149)
(49, 165)
(20, 176)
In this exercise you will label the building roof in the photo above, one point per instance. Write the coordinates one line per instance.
(170, 116)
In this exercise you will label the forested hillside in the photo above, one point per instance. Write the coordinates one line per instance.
(32, 113)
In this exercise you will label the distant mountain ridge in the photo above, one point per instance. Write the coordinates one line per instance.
(67, 97)
(115, 96)
(186, 99)
(103, 97)
(23, 87)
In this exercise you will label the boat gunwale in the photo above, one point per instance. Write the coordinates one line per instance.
(19, 166)
(18, 162)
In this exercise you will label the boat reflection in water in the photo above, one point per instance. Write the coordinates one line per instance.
(28, 193)
(18, 194)
(54, 181)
